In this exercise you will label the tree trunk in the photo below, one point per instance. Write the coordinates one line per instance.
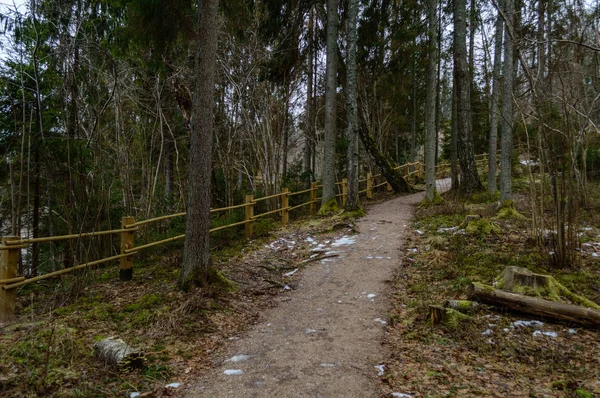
(454, 171)
(351, 104)
(544, 309)
(430, 103)
(469, 181)
(196, 255)
(308, 128)
(330, 104)
(507, 109)
(384, 163)
(493, 143)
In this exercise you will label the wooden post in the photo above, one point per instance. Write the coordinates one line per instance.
(389, 187)
(313, 199)
(126, 266)
(249, 213)
(285, 202)
(8, 270)
(344, 191)
(370, 186)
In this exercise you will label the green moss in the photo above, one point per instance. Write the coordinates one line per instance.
(352, 214)
(453, 319)
(582, 393)
(329, 207)
(220, 281)
(484, 197)
(145, 302)
(482, 227)
(437, 200)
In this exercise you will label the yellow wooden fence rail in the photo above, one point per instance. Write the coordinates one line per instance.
(11, 245)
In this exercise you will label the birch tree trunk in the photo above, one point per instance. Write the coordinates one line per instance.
(493, 143)
(330, 106)
(507, 109)
(196, 255)
(430, 104)
(351, 105)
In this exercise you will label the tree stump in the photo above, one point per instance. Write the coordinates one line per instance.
(118, 353)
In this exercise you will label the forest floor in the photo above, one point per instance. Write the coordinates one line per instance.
(329, 307)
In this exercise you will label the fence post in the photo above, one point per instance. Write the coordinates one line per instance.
(8, 270)
(285, 202)
(369, 185)
(313, 199)
(249, 213)
(126, 265)
(344, 191)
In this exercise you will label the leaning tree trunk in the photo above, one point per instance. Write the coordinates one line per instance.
(469, 181)
(352, 201)
(196, 254)
(493, 144)
(507, 110)
(330, 105)
(384, 163)
(430, 103)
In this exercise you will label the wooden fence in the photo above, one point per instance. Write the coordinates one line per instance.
(12, 245)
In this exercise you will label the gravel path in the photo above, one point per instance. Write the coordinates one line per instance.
(323, 339)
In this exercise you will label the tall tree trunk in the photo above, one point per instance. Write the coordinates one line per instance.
(454, 170)
(308, 128)
(286, 131)
(507, 109)
(330, 106)
(351, 105)
(196, 254)
(413, 118)
(469, 182)
(493, 144)
(430, 103)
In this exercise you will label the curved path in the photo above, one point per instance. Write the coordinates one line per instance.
(323, 339)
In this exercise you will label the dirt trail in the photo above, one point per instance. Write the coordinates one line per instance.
(323, 339)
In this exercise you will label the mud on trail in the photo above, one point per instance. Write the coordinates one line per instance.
(323, 338)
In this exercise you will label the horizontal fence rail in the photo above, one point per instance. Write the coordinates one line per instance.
(10, 248)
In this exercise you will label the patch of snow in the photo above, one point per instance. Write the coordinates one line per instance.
(371, 295)
(369, 257)
(288, 274)
(233, 372)
(134, 394)
(380, 369)
(309, 239)
(595, 254)
(487, 332)
(419, 232)
(380, 321)
(328, 365)
(527, 324)
(344, 241)
(173, 385)
(506, 330)
(379, 257)
(340, 301)
(239, 358)
(401, 395)
(587, 228)
(450, 229)
(548, 334)
(310, 331)
(287, 287)
(572, 331)
(491, 325)
(413, 250)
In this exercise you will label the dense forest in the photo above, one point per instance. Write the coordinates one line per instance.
(109, 107)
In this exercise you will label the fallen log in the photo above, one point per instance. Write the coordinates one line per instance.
(118, 353)
(541, 308)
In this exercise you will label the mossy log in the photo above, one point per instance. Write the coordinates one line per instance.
(523, 281)
(118, 353)
(537, 307)
(384, 163)
(446, 316)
